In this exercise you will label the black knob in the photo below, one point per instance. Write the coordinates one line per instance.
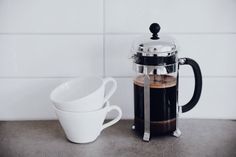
(155, 28)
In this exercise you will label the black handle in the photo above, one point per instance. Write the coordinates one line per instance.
(198, 83)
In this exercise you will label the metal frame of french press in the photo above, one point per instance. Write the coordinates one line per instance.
(147, 133)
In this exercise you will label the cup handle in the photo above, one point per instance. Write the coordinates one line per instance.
(104, 126)
(113, 88)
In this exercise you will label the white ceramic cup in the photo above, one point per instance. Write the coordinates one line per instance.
(83, 94)
(85, 127)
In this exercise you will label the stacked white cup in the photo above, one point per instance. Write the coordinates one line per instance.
(81, 106)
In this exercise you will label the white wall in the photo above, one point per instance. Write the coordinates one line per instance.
(46, 42)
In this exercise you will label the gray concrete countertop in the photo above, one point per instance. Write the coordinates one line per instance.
(200, 138)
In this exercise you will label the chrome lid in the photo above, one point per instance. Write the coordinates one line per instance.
(154, 45)
(153, 49)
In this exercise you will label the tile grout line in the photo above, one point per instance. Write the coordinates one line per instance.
(120, 33)
(68, 77)
(56, 33)
(104, 40)
(177, 33)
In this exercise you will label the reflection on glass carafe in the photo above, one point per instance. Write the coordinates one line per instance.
(155, 84)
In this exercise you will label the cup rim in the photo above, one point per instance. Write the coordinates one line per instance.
(105, 106)
(57, 88)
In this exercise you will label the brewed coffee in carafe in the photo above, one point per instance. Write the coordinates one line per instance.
(162, 103)
(155, 85)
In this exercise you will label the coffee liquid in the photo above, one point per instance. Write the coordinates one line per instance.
(163, 94)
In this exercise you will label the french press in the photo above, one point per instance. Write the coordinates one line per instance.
(156, 64)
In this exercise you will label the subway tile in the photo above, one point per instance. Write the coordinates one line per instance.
(118, 54)
(127, 16)
(123, 97)
(28, 99)
(214, 53)
(50, 55)
(51, 16)
(217, 100)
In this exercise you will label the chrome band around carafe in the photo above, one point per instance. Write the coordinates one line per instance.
(160, 70)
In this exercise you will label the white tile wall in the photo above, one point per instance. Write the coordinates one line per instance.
(51, 16)
(23, 99)
(46, 42)
(217, 100)
(213, 52)
(50, 55)
(132, 16)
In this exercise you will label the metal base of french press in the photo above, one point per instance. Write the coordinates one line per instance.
(177, 133)
(146, 136)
